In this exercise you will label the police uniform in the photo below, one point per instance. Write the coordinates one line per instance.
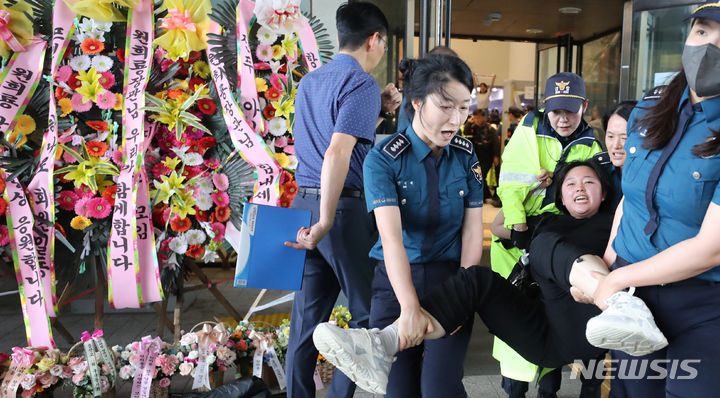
(432, 195)
(663, 206)
(614, 174)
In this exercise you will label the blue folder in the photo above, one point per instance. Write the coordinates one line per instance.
(263, 259)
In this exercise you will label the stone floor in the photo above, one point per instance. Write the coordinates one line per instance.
(122, 326)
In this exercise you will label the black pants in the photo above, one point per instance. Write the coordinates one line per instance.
(549, 332)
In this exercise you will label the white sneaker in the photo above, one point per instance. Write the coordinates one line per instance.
(626, 325)
(359, 353)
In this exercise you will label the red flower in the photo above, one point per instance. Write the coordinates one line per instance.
(60, 93)
(222, 213)
(174, 93)
(73, 82)
(242, 345)
(96, 148)
(196, 147)
(206, 106)
(194, 56)
(109, 194)
(92, 46)
(120, 54)
(289, 189)
(195, 81)
(98, 125)
(268, 112)
(195, 251)
(158, 214)
(107, 80)
(3, 206)
(207, 142)
(67, 199)
(285, 177)
(285, 202)
(178, 224)
(273, 94)
(202, 216)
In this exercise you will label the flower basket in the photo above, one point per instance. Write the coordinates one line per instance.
(156, 391)
(326, 371)
(216, 371)
(82, 387)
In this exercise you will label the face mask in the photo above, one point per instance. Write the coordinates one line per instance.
(702, 69)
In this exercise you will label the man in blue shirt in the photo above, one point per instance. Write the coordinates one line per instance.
(337, 109)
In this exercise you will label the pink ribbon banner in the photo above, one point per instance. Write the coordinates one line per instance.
(22, 359)
(124, 286)
(20, 225)
(149, 350)
(249, 102)
(19, 82)
(41, 187)
(309, 46)
(249, 144)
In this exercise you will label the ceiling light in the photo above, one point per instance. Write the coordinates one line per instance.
(570, 10)
(495, 16)
(533, 31)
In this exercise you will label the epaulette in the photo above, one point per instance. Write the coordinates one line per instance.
(601, 158)
(462, 143)
(654, 94)
(396, 145)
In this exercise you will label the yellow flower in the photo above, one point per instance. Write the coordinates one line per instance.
(65, 106)
(82, 174)
(261, 84)
(282, 159)
(167, 187)
(278, 52)
(289, 44)
(25, 125)
(183, 203)
(119, 103)
(171, 163)
(45, 364)
(185, 27)
(102, 10)
(202, 69)
(80, 222)
(284, 108)
(15, 138)
(20, 25)
(91, 86)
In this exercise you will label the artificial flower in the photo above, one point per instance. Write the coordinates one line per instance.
(266, 36)
(25, 124)
(81, 174)
(289, 45)
(203, 202)
(63, 74)
(184, 27)
(180, 224)
(168, 186)
(220, 198)
(3, 206)
(277, 126)
(101, 10)
(202, 69)
(99, 207)
(260, 84)
(119, 102)
(207, 106)
(106, 100)
(109, 194)
(269, 112)
(195, 237)
(278, 52)
(264, 52)
(91, 86)
(79, 104)
(221, 181)
(280, 16)
(80, 222)
(96, 148)
(282, 159)
(278, 81)
(107, 79)
(80, 63)
(100, 26)
(16, 138)
(184, 204)
(65, 106)
(20, 26)
(82, 207)
(212, 164)
(178, 245)
(84, 191)
(98, 125)
(196, 251)
(195, 82)
(4, 235)
(222, 213)
(218, 230)
(92, 46)
(272, 94)
(102, 63)
(284, 108)
(280, 142)
(67, 200)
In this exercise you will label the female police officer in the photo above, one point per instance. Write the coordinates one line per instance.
(424, 186)
(668, 224)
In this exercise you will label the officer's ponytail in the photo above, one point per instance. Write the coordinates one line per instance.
(429, 75)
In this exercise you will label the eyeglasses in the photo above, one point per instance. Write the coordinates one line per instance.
(384, 39)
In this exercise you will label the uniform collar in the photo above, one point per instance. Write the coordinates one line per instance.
(711, 109)
(685, 97)
(348, 59)
(418, 147)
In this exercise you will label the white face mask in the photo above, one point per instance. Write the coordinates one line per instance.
(702, 69)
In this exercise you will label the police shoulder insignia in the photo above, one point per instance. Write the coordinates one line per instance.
(602, 158)
(462, 143)
(655, 93)
(396, 145)
(477, 171)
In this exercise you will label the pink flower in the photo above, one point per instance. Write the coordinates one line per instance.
(165, 245)
(221, 181)
(98, 207)
(193, 132)
(185, 368)
(264, 52)
(46, 380)
(67, 372)
(290, 149)
(82, 207)
(78, 377)
(104, 384)
(107, 80)
(134, 359)
(212, 163)
(160, 169)
(220, 198)
(218, 229)
(278, 81)
(280, 142)
(117, 156)
(168, 363)
(4, 235)
(164, 382)
(67, 200)
(68, 158)
(63, 74)
(78, 105)
(84, 191)
(106, 100)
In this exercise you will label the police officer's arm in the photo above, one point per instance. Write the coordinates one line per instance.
(332, 178)
(680, 261)
(472, 237)
(518, 175)
(610, 255)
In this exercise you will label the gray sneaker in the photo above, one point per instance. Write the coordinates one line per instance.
(358, 353)
(626, 325)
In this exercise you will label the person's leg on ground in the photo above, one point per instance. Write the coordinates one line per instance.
(549, 384)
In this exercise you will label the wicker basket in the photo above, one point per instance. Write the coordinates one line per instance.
(326, 371)
(78, 392)
(158, 392)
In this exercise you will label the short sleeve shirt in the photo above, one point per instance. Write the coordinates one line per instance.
(395, 175)
(339, 97)
(685, 188)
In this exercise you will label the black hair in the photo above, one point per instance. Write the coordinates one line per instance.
(623, 109)
(661, 120)
(356, 21)
(559, 178)
(479, 111)
(515, 111)
(443, 50)
(429, 75)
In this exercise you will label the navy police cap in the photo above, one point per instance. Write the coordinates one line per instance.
(709, 10)
(565, 91)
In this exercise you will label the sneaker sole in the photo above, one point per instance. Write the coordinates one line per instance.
(621, 336)
(340, 354)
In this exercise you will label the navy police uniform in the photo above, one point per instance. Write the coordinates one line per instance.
(432, 194)
(667, 192)
(614, 174)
